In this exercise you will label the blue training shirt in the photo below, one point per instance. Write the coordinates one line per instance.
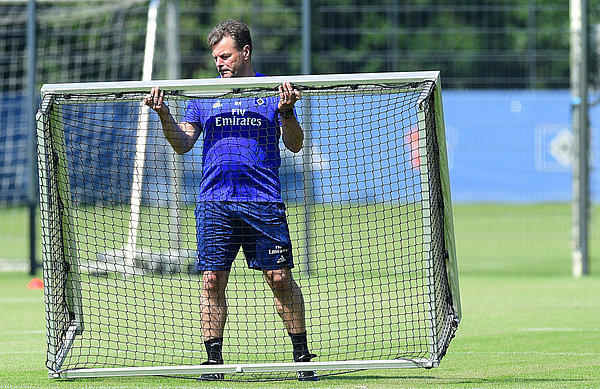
(240, 156)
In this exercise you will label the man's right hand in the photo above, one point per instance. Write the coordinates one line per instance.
(154, 100)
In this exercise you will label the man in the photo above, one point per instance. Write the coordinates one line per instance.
(239, 204)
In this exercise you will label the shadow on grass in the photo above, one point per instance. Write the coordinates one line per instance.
(517, 381)
(433, 381)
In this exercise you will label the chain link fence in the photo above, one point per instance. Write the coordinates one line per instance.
(477, 46)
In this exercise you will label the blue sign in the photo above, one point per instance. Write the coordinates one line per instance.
(512, 146)
(503, 146)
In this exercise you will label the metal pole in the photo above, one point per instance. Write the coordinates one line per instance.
(141, 143)
(306, 65)
(32, 99)
(307, 168)
(531, 52)
(580, 123)
(175, 161)
(173, 60)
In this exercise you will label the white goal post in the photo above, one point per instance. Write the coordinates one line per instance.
(382, 290)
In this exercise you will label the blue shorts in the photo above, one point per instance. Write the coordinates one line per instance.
(260, 229)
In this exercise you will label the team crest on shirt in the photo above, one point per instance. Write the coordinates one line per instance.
(259, 101)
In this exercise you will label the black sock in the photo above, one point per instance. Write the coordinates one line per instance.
(214, 349)
(300, 347)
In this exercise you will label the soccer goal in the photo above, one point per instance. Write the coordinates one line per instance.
(54, 41)
(367, 200)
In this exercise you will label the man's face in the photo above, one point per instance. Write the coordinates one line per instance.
(229, 61)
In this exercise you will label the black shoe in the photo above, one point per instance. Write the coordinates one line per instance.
(307, 375)
(212, 376)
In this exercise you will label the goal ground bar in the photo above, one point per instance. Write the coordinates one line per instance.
(242, 368)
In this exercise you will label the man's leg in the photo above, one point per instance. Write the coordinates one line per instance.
(289, 303)
(213, 303)
(214, 315)
(288, 299)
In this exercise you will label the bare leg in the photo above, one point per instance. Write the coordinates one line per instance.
(213, 303)
(289, 301)
(290, 306)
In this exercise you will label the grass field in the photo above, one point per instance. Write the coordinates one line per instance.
(527, 323)
(526, 332)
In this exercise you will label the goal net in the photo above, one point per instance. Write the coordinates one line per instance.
(74, 41)
(367, 202)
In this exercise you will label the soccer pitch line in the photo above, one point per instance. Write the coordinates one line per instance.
(528, 353)
(542, 329)
(20, 300)
(42, 352)
(25, 332)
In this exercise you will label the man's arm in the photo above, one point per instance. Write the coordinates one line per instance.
(182, 137)
(291, 131)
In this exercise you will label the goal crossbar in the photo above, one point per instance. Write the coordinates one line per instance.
(209, 86)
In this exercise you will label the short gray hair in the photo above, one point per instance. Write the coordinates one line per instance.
(234, 28)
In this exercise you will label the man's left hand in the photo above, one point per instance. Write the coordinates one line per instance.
(288, 95)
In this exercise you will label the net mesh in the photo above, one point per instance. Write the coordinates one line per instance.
(75, 42)
(363, 204)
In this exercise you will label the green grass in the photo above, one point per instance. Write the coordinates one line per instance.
(533, 239)
(526, 332)
(508, 239)
(14, 233)
(526, 322)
